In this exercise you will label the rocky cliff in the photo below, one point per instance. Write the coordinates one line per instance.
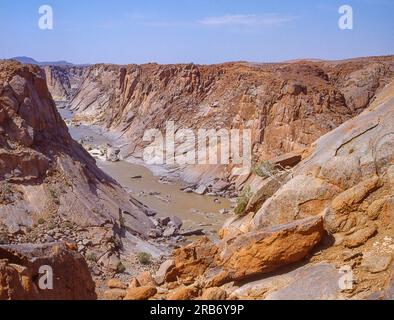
(63, 81)
(50, 187)
(325, 231)
(287, 106)
(315, 224)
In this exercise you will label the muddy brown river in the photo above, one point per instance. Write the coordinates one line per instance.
(166, 198)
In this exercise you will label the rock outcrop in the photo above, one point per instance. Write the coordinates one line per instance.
(20, 273)
(325, 208)
(333, 212)
(63, 81)
(47, 179)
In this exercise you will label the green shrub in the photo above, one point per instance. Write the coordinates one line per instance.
(68, 224)
(120, 268)
(55, 196)
(91, 256)
(264, 169)
(122, 222)
(144, 258)
(242, 202)
(4, 238)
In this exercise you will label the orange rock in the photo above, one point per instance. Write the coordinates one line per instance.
(214, 294)
(146, 279)
(116, 284)
(19, 267)
(140, 293)
(192, 261)
(115, 294)
(134, 283)
(184, 293)
(263, 251)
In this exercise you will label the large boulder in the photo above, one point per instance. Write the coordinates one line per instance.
(20, 273)
(260, 252)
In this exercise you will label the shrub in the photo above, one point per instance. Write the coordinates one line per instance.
(242, 202)
(68, 224)
(4, 238)
(91, 256)
(55, 196)
(120, 268)
(264, 169)
(122, 222)
(144, 258)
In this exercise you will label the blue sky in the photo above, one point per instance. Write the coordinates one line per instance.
(199, 31)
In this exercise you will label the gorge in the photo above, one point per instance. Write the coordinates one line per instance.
(319, 196)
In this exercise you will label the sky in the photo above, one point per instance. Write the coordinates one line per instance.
(198, 31)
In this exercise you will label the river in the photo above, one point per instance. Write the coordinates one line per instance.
(166, 198)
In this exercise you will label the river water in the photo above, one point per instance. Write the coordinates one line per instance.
(166, 198)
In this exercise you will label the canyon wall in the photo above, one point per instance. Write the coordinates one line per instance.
(287, 106)
(50, 187)
(323, 230)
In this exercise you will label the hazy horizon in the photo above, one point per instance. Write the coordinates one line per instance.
(201, 32)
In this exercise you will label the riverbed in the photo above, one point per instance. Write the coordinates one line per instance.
(162, 195)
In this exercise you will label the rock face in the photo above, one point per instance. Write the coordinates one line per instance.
(63, 81)
(330, 209)
(46, 176)
(316, 282)
(287, 106)
(259, 252)
(339, 199)
(20, 273)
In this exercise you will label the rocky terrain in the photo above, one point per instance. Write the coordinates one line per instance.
(333, 213)
(287, 106)
(51, 189)
(318, 202)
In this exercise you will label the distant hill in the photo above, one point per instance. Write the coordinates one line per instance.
(29, 60)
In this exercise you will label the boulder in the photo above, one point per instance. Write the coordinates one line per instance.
(184, 293)
(140, 293)
(201, 190)
(165, 267)
(376, 262)
(115, 294)
(146, 279)
(360, 236)
(264, 251)
(213, 294)
(220, 185)
(116, 284)
(192, 260)
(20, 273)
